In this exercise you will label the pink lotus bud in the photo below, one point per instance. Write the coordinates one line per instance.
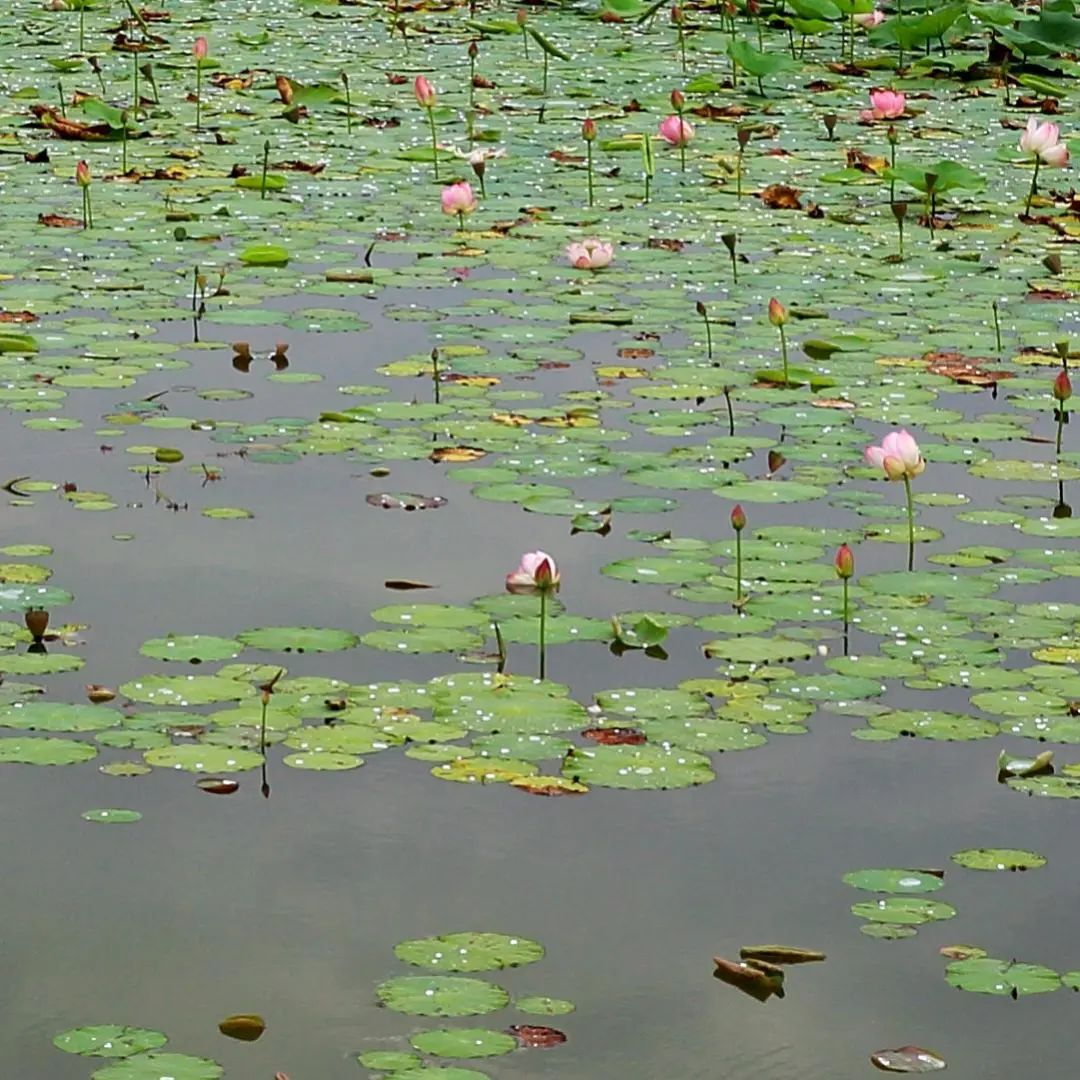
(425, 93)
(1062, 387)
(678, 102)
(778, 314)
(82, 174)
(522, 17)
(844, 562)
(738, 518)
(588, 130)
(200, 48)
(676, 131)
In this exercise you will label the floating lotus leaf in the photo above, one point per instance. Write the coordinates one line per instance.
(191, 648)
(202, 758)
(324, 762)
(652, 703)
(441, 995)
(109, 1040)
(894, 881)
(757, 650)
(660, 570)
(464, 1043)
(704, 734)
(934, 725)
(888, 931)
(1052, 787)
(908, 1059)
(441, 616)
(544, 1006)
(985, 975)
(184, 690)
(299, 639)
(638, 768)
(999, 859)
(113, 817)
(57, 716)
(156, 1065)
(388, 1060)
(480, 770)
(438, 1072)
(29, 750)
(521, 747)
(904, 910)
(469, 951)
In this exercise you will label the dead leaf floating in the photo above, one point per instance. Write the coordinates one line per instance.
(781, 954)
(754, 978)
(247, 1027)
(536, 1035)
(907, 1059)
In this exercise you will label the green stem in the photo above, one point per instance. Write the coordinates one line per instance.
(262, 728)
(682, 155)
(738, 175)
(708, 335)
(589, 168)
(846, 608)
(900, 33)
(738, 567)
(543, 627)
(997, 324)
(851, 42)
(783, 353)
(730, 412)
(434, 142)
(892, 165)
(1061, 424)
(545, 73)
(198, 96)
(82, 29)
(265, 166)
(461, 221)
(910, 523)
(1034, 187)
(135, 76)
(682, 48)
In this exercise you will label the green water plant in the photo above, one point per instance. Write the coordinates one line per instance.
(199, 51)
(1062, 392)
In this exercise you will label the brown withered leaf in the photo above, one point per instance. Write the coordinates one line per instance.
(967, 370)
(833, 403)
(284, 89)
(776, 462)
(780, 954)
(380, 122)
(242, 80)
(635, 352)
(866, 163)
(247, 1027)
(820, 86)
(1049, 294)
(750, 979)
(719, 112)
(58, 221)
(632, 106)
(70, 129)
(665, 244)
(483, 84)
(565, 158)
(396, 80)
(405, 584)
(456, 454)
(17, 317)
(38, 157)
(614, 736)
(550, 786)
(300, 166)
(534, 1035)
(781, 197)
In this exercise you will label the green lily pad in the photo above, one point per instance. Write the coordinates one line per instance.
(298, 639)
(999, 859)
(114, 817)
(904, 910)
(1007, 978)
(30, 750)
(201, 758)
(441, 995)
(191, 648)
(638, 768)
(894, 881)
(161, 1066)
(109, 1040)
(464, 1043)
(469, 951)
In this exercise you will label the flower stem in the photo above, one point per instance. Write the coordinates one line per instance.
(783, 352)
(997, 324)
(588, 166)
(1061, 424)
(434, 143)
(198, 96)
(910, 524)
(1034, 188)
(738, 175)
(543, 622)
(847, 610)
(738, 569)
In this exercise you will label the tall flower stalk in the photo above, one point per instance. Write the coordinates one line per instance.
(845, 570)
(426, 98)
(738, 523)
(778, 316)
(1043, 142)
(588, 133)
(83, 178)
(1062, 393)
(199, 51)
(900, 458)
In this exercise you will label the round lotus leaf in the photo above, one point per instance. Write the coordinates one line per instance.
(125, 768)
(560, 630)
(832, 687)
(521, 747)
(423, 639)
(758, 650)
(298, 639)
(191, 648)
(28, 750)
(464, 1043)
(1052, 787)
(440, 616)
(161, 1066)
(469, 951)
(29, 663)
(57, 716)
(660, 570)
(894, 881)
(985, 975)
(388, 1060)
(524, 712)
(704, 734)
(438, 1072)
(652, 703)
(544, 1006)
(184, 690)
(323, 762)
(999, 859)
(201, 758)
(113, 817)
(339, 739)
(441, 995)
(925, 583)
(934, 725)
(904, 910)
(479, 770)
(109, 1040)
(887, 931)
(637, 768)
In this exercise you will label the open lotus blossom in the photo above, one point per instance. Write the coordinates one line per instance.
(898, 456)
(676, 131)
(590, 254)
(458, 198)
(536, 573)
(869, 19)
(1044, 141)
(884, 105)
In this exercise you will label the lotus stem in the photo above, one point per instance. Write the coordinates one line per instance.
(135, 80)
(82, 28)
(783, 353)
(1033, 189)
(435, 376)
(738, 176)
(500, 644)
(682, 48)
(434, 142)
(265, 167)
(730, 411)
(910, 523)
(708, 330)
(543, 628)
(348, 103)
(847, 609)
(589, 169)
(87, 212)
(738, 568)
(60, 91)
(198, 95)
(997, 324)
(1060, 425)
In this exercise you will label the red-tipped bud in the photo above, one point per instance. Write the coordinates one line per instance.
(200, 48)
(677, 100)
(678, 16)
(425, 93)
(588, 130)
(753, 7)
(738, 518)
(522, 17)
(778, 314)
(844, 562)
(82, 174)
(892, 135)
(474, 50)
(1062, 386)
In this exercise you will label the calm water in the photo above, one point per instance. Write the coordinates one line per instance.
(291, 906)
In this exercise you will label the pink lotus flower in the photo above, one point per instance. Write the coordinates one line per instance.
(885, 105)
(898, 456)
(82, 174)
(1044, 141)
(590, 254)
(869, 19)
(425, 93)
(458, 198)
(536, 573)
(676, 131)
(200, 48)
(1062, 387)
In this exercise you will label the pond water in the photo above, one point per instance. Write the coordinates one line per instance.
(182, 512)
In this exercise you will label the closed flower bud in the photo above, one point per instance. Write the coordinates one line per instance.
(677, 100)
(738, 518)
(588, 130)
(778, 314)
(844, 562)
(1062, 387)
